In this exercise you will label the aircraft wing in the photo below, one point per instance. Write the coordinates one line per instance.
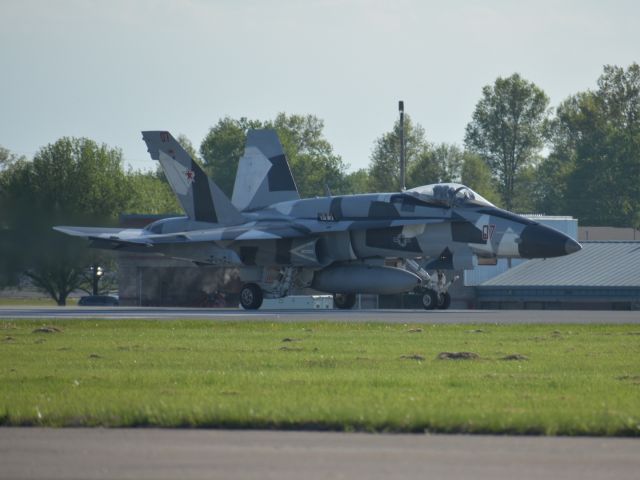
(88, 231)
(114, 238)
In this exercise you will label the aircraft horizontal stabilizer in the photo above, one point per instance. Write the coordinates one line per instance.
(108, 238)
(88, 232)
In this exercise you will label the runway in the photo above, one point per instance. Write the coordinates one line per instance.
(35, 453)
(390, 316)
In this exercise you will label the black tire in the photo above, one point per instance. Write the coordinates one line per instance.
(444, 300)
(429, 299)
(344, 301)
(251, 296)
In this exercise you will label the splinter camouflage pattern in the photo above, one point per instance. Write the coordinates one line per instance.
(337, 243)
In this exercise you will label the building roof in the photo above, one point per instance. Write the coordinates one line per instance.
(598, 264)
(542, 216)
(607, 233)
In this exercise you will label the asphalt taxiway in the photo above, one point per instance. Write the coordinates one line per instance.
(34, 453)
(391, 316)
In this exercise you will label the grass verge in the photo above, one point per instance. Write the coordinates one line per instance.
(523, 379)
(33, 302)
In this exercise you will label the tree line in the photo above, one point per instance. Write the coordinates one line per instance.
(73, 181)
(581, 158)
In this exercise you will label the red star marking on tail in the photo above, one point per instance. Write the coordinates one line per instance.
(191, 177)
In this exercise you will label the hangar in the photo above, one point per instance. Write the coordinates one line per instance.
(603, 276)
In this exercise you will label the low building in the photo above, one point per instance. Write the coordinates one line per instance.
(603, 275)
(587, 234)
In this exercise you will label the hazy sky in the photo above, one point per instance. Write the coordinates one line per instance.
(109, 69)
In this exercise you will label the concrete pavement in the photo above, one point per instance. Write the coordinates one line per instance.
(93, 454)
(391, 316)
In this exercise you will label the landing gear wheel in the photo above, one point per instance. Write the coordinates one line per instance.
(444, 300)
(429, 299)
(251, 296)
(344, 301)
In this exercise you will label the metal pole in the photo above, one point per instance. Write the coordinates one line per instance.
(403, 186)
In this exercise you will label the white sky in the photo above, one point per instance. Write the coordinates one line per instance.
(109, 69)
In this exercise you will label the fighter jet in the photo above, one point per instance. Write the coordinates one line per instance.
(380, 243)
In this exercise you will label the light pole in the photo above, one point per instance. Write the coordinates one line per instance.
(96, 274)
(403, 186)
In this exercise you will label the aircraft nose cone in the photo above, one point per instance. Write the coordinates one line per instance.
(571, 246)
(539, 241)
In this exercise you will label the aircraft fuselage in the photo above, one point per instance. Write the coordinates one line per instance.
(376, 227)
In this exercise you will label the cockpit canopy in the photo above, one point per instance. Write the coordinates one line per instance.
(449, 194)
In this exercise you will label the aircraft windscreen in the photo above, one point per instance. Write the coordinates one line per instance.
(449, 194)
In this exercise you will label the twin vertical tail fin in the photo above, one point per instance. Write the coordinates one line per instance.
(264, 176)
(201, 199)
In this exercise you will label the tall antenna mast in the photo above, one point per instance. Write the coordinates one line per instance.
(403, 185)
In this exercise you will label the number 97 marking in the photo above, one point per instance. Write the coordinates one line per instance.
(487, 232)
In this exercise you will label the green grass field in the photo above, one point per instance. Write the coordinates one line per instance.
(33, 302)
(575, 380)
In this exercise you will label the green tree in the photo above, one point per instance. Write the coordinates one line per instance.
(313, 162)
(439, 163)
(475, 174)
(188, 146)
(554, 172)
(594, 165)
(357, 182)
(222, 148)
(151, 194)
(7, 158)
(71, 181)
(78, 175)
(507, 130)
(525, 199)
(12, 201)
(384, 166)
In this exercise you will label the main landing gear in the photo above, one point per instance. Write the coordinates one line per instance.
(435, 290)
(429, 299)
(444, 301)
(269, 283)
(251, 296)
(432, 299)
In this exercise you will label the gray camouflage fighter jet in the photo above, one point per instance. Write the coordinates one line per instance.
(336, 244)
